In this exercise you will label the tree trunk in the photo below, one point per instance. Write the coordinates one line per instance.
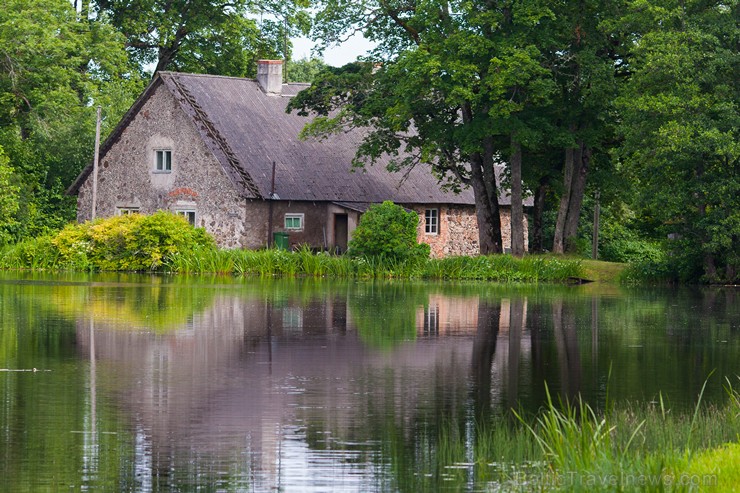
(165, 57)
(538, 240)
(581, 159)
(486, 210)
(557, 243)
(710, 268)
(485, 192)
(517, 209)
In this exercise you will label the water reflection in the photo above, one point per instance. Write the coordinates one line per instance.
(171, 384)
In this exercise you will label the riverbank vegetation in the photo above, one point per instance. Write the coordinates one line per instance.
(574, 447)
(164, 242)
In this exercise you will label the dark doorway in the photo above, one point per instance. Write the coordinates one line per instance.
(341, 232)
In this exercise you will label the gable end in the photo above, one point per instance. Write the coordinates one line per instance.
(213, 139)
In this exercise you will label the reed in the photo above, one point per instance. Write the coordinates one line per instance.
(570, 446)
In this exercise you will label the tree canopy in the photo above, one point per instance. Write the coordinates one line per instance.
(53, 68)
(462, 86)
(681, 128)
(223, 37)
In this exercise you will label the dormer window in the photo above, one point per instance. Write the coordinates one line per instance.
(163, 160)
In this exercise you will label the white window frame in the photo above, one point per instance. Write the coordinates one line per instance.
(162, 165)
(431, 320)
(293, 318)
(299, 216)
(431, 221)
(125, 211)
(187, 213)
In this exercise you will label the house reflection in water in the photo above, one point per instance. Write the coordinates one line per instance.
(286, 383)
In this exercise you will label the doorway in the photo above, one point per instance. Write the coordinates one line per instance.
(341, 233)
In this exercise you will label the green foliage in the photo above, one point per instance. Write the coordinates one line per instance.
(617, 243)
(56, 68)
(8, 199)
(35, 253)
(503, 268)
(122, 243)
(206, 36)
(126, 245)
(681, 142)
(304, 70)
(386, 231)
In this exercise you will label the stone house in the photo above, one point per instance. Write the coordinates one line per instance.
(223, 152)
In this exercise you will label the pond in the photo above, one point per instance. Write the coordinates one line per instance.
(155, 383)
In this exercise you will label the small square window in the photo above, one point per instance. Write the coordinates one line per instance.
(189, 215)
(163, 160)
(431, 221)
(294, 221)
(124, 211)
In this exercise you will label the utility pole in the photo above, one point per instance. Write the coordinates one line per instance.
(95, 168)
(595, 240)
(270, 207)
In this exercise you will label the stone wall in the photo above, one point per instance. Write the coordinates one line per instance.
(458, 231)
(127, 178)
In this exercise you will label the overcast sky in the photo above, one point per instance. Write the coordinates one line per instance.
(336, 56)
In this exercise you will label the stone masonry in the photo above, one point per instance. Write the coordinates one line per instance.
(458, 231)
(127, 179)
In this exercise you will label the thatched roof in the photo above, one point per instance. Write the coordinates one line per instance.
(248, 130)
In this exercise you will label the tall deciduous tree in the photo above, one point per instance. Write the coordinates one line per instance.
(53, 69)
(586, 61)
(223, 37)
(451, 84)
(304, 70)
(681, 128)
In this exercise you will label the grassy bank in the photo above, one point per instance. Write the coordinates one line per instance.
(600, 271)
(644, 447)
(164, 242)
(305, 263)
(43, 254)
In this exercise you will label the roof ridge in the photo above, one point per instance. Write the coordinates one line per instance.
(232, 77)
(209, 76)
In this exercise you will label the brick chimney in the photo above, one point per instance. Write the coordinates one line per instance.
(270, 75)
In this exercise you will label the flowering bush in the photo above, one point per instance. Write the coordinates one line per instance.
(133, 242)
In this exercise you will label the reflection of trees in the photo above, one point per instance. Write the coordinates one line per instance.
(566, 342)
(49, 422)
(517, 308)
(484, 347)
(266, 357)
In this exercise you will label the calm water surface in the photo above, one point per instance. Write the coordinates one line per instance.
(125, 383)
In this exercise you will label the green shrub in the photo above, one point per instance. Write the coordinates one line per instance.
(123, 243)
(388, 232)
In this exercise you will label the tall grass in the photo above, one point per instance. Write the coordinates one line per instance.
(40, 254)
(570, 446)
(306, 263)
(629, 447)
